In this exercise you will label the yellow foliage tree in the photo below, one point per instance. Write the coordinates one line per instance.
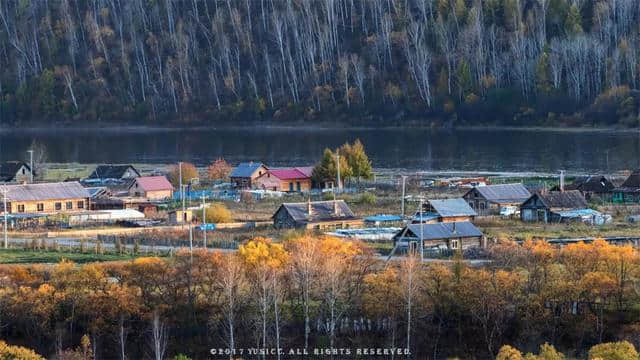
(9, 352)
(622, 350)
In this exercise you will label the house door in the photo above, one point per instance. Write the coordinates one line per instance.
(291, 187)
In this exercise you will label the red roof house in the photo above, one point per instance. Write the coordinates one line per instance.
(287, 180)
(151, 187)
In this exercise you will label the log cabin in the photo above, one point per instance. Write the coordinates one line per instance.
(457, 235)
(317, 215)
(447, 210)
(548, 207)
(490, 199)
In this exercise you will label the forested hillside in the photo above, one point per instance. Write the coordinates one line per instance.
(441, 62)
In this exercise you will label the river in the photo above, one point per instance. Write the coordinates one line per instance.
(413, 149)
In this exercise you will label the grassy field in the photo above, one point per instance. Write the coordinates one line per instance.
(20, 256)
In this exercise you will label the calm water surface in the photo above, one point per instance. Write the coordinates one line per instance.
(412, 149)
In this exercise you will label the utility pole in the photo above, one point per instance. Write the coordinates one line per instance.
(4, 210)
(30, 165)
(204, 221)
(338, 169)
(404, 179)
(421, 232)
(180, 181)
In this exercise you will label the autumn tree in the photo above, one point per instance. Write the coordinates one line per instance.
(189, 172)
(327, 171)
(10, 352)
(622, 350)
(357, 160)
(219, 170)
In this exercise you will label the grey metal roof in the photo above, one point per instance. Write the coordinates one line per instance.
(444, 230)
(46, 191)
(571, 199)
(320, 211)
(452, 207)
(504, 192)
(245, 169)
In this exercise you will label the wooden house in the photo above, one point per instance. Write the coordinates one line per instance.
(111, 172)
(629, 190)
(549, 207)
(318, 215)
(151, 188)
(15, 171)
(447, 210)
(489, 199)
(244, 174)
(286, 180)
(46, 198)
(589, 186)
(457, 235)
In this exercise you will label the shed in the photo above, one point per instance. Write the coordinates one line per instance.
(547, 207)
(446, 210)
(179, 216)
(456, 235)
(319, 215)
(489, 199)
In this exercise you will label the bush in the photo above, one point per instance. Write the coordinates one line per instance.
(622, 350)
(368, 199)
(17, 352)
(218, 213)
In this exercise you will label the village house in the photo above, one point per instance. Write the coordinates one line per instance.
(457, 235)
(15, 171)
(151, 188)
(552, 207)
(318, 215)
(113, 172)
(589, 186)
(490, 199)
(46, 198)
(447, 210)
(244, 174)
(285, 180)
(629, 190)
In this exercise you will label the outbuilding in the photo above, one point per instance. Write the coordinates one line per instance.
(244, 174)
(446, 210)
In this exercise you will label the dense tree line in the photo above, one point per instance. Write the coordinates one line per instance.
(515, 62)
(321, 292)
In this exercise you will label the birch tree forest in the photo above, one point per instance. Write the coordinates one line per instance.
(315, 294)
(434, 62)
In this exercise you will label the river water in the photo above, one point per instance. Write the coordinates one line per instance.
(411, 149)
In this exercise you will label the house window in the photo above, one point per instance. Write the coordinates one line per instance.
(58, 206)
(290, 186)
(69, 205)
(298, 186)
(481, 206)
(471, 204)
(80, 204)
(21, 208)
(40, 206)
(455, 244)
(23, 171)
